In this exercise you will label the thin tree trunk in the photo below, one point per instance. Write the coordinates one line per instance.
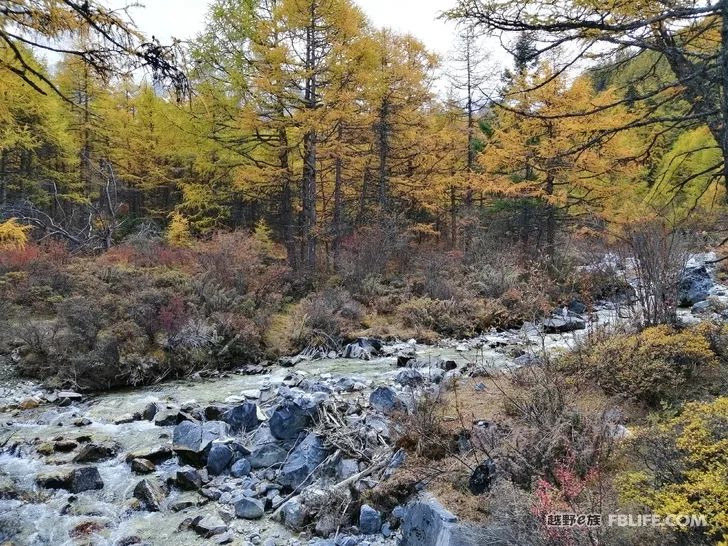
(338, 172)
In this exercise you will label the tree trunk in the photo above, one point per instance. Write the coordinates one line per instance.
(308, 184)
(724, 97)
(383, 152)
(338, 172)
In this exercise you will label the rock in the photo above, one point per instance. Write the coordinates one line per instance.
(142, 466)
(294, 515)
(67, 397)
(224, 538)
(427, 523)
(561, 325)
(149, 411)
(242, 418)
(404, 361)
(76, 480)
(209, 526)
(249, 508)
(385, 400)
(701, 307)
(482, 477)
(81, 422)
(166, 418)
(578, 307)
(127, 418)
(29, 403)
(150, 493)
(289, 420)
(370, 521)
(188, 478)
(303, 460)
(240, 468)
(695, 285)
(347, 468)
(363, 349)
(193, 441)
(409, 378)
(219, 458)
(181, 504)
(64, 446)
(93, 452)
(156, 454)
(268, 455)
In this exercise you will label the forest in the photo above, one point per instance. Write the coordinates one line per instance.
(357, 292)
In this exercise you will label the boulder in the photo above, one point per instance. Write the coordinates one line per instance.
(209, 526)
(294, 514)
(150, 411)
(240, 468)
(156, 454)
(93, 452)
(219, 458)
(562, 325)
(192, 441)
(695, 285)
(385, 400)
(370, 521)
(301, 463)
(242, 418)
(347, 468)
(142, 466)
(249, 508)
(409, 378)
(188, 478)
(363, 349)
(268, 455)
(150, 494)
(290, 419)
(76, 480)
(482, 477)
(427, 523)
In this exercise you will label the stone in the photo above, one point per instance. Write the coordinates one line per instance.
(370, 521)
(695, 284)
(69, 396)
(249, 508)
(404, 361)
(409, 377)
(562, 325)
(127, 418)
(240, 468)
(242, 418)
(209, 526)
(156, 454)
(149, 411)
(188, 478)
(346, 468)
(385, 400)
(427, 523)
(224, 538)
(290, 419)
(64, 446)
(268, 455)
(219, 458)
(303, 460)
(142, 466)
(76, 480)
(150, 494)
(166, 418)
(192, 441)
(482, 477)
(363, 349)
(81, 422)
(94, 452)
(294, 515)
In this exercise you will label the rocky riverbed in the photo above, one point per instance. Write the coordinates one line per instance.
(278, 458)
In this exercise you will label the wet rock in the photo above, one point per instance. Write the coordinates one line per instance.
(93, 452)
(45, 448)
(370, 521)
(562, 325)
(150, 411)
(128, 418)
(289, 420)
(142, 466)
(181, 504)
(240, 468)
(695, 285)
(81, 422)
(249, 508)
(166, 418)
(209, 526)
(363, 349)
(242, 418)
(385, 400)
(156, 454)
(65, 446)
(129, 541)
(193, 441)
(409, 378)
(76, 480)
(304, 459)
(219, 458)
(188, 478)
(482, 477)
(150, 493)
(66, 398)
(404, 361)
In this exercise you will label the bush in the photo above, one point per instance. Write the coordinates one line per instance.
(649, 366)
(685, 468)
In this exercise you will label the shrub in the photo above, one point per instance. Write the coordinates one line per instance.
(649, 366)
(685, 468)
(455, 318)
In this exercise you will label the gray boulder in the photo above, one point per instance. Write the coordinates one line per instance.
(240, 468)
(409, 377)
(242, 418)
(562, 325)
(427, 523)
(93, 452)
(385, 400)
(76, 480)
(219, 458)
(209, 526)
(363, 349)
(290, 419)
(151, 494)
(695, 285)
(370, 521)
(192, 441)
(188, 478)
(249, 508)
(302, 462)
(294, 514)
